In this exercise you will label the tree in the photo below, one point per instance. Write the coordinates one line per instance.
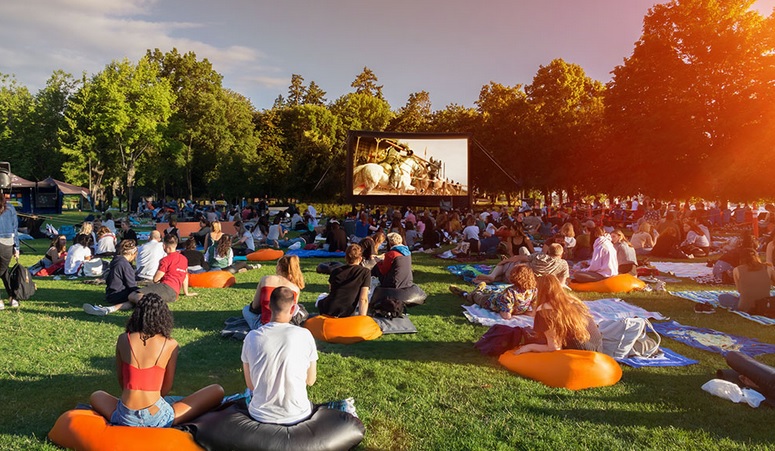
(274, 163)
(695, 92)
(366, 83)
(415, 116)
(16, 107)
(315, 95)
(296, 91)
(362, 112)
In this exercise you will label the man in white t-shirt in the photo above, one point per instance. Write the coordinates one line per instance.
(148, 257)
(279, 361)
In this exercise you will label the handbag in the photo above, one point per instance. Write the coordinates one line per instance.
(92, 268)
(22, 286)
(629, 337)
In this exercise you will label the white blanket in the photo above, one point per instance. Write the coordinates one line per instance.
(683, 269)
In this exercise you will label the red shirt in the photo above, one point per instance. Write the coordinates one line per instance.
(175, 268)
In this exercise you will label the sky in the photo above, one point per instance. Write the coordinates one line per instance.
(450, 48)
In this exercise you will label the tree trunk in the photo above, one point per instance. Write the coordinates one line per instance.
(131, 171)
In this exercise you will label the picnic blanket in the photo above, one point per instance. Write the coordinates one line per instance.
(237, 328)
(468, 271)
(667, 357)
(712, 340)
(711, 297)
(304, 253)
(683, 269)
(601, 309)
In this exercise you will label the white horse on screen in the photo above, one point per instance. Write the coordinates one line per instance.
(373, 175)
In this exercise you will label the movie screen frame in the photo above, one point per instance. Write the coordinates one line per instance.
(434, 186)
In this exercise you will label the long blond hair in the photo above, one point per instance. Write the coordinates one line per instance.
(288, 266)
(568, 317)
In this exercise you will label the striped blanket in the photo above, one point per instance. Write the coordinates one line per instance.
(711, 297)
(712, 340)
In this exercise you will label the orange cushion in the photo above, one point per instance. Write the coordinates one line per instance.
(622, 283)
(347, 330)
(568, 368)
(211, 279)
(264, 255)
(86, 430)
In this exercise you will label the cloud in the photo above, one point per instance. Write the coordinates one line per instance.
(40, 36)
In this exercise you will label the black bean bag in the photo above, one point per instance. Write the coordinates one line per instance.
(327, 267)
(759, 373)
(410, 296)
(231, 428)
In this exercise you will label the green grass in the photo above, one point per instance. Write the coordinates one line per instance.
(431, 390)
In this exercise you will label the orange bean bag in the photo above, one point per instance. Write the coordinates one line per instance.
(347, 330)
(211, 279)
(262, 255)
(86, 430)
(622, 283)
(568, 368)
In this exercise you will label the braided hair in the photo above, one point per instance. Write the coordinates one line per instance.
(150, 317)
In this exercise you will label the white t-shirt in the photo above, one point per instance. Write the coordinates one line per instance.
(249, 242)
(110, 224)
(106, 244)
(76, 255)
(274, 232)
(148, 257)
(279, 355)
(471, 233)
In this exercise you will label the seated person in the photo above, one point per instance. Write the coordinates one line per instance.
(562, 321)
(696, 242)
(723, 267)
(279, 361)
(171, 276)
(666, 244)
(126, 231)
(203, 233)
(412, 236)
(287, 274)
(277, 233)
(172, 228)
(514, 300)
(220, 257)
(146, 356)
(196, 259)
(395, 270)
(77, 254)
(246, 243)
(120, 279)
(348, 286)
(337, 238)
(625, 253)
(55, 255)
(369, 253)
(604, 262)
(550, 262)
(753, 280)
(148, 257)
(106, 243)
(642, 240)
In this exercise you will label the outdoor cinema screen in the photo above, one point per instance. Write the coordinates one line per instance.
(408, 168)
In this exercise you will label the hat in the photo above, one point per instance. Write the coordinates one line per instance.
(590, 224)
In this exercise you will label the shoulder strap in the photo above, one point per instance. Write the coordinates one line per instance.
(161, 352)
(132, 351)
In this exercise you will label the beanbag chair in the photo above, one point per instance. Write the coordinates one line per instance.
(759, 373)
(86, 430)
(231, 427)
(410, 296)
(568, 368)
(347, 330)
(264, 255)
(211, 279)
(622, 283)
(327, 267)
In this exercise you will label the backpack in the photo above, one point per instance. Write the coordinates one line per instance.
(628, 337)
(388, 307)
(765, 307)
(22, 286)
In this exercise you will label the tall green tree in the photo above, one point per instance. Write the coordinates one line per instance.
(362, 112)
(16, 107)
(695, 92)
(296, 91)
(273, 167)
(315, 95)
(366, 83)
(415, 116)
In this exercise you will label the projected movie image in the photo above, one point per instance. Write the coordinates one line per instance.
(402, 166)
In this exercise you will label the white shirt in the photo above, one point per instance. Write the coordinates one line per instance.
(249, 243)
(76, 255)
(148, 257)
(106, 244)
(274, 232)
(279, 355)
(109, 223)
(604, 260)
(471, 233)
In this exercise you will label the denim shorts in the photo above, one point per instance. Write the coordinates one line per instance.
(124, 416)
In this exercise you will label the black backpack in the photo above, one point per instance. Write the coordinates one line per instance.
(22, 286)
(388, 308)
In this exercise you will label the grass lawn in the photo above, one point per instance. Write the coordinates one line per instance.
(431, 390)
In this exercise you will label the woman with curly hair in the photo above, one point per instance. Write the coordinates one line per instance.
(514, 300)
(562, 321)
(287, 274)
(146, 356)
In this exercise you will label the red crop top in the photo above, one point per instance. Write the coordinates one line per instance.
(266, 293)
(147, 379)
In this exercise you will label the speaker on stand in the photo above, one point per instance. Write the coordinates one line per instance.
(5, 175)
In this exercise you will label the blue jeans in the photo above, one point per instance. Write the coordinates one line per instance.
(254, 320)
(163, 418)
(729, 301)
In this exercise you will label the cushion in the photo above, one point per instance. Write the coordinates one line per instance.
(87, 430)
(211, 279)
(622, 283)
(232, 428)
(347, 330)
(264, 255)
(568, 368)
(402, 325)
(410, 296)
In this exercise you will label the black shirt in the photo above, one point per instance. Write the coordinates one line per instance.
(194, 257)
(337, 240)
(346, 283)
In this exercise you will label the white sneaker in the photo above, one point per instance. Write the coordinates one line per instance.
(96, 310)
(2, 305)
(14, 303)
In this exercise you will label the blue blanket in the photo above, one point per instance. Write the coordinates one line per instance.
(668, 358)
(467, 272)
(711, 297)
(712, 340)
(303, 253)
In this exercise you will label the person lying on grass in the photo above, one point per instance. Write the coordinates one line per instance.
(562, 321)
(550, 262)
(146, 356)
(514, 300)
(348, 286)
